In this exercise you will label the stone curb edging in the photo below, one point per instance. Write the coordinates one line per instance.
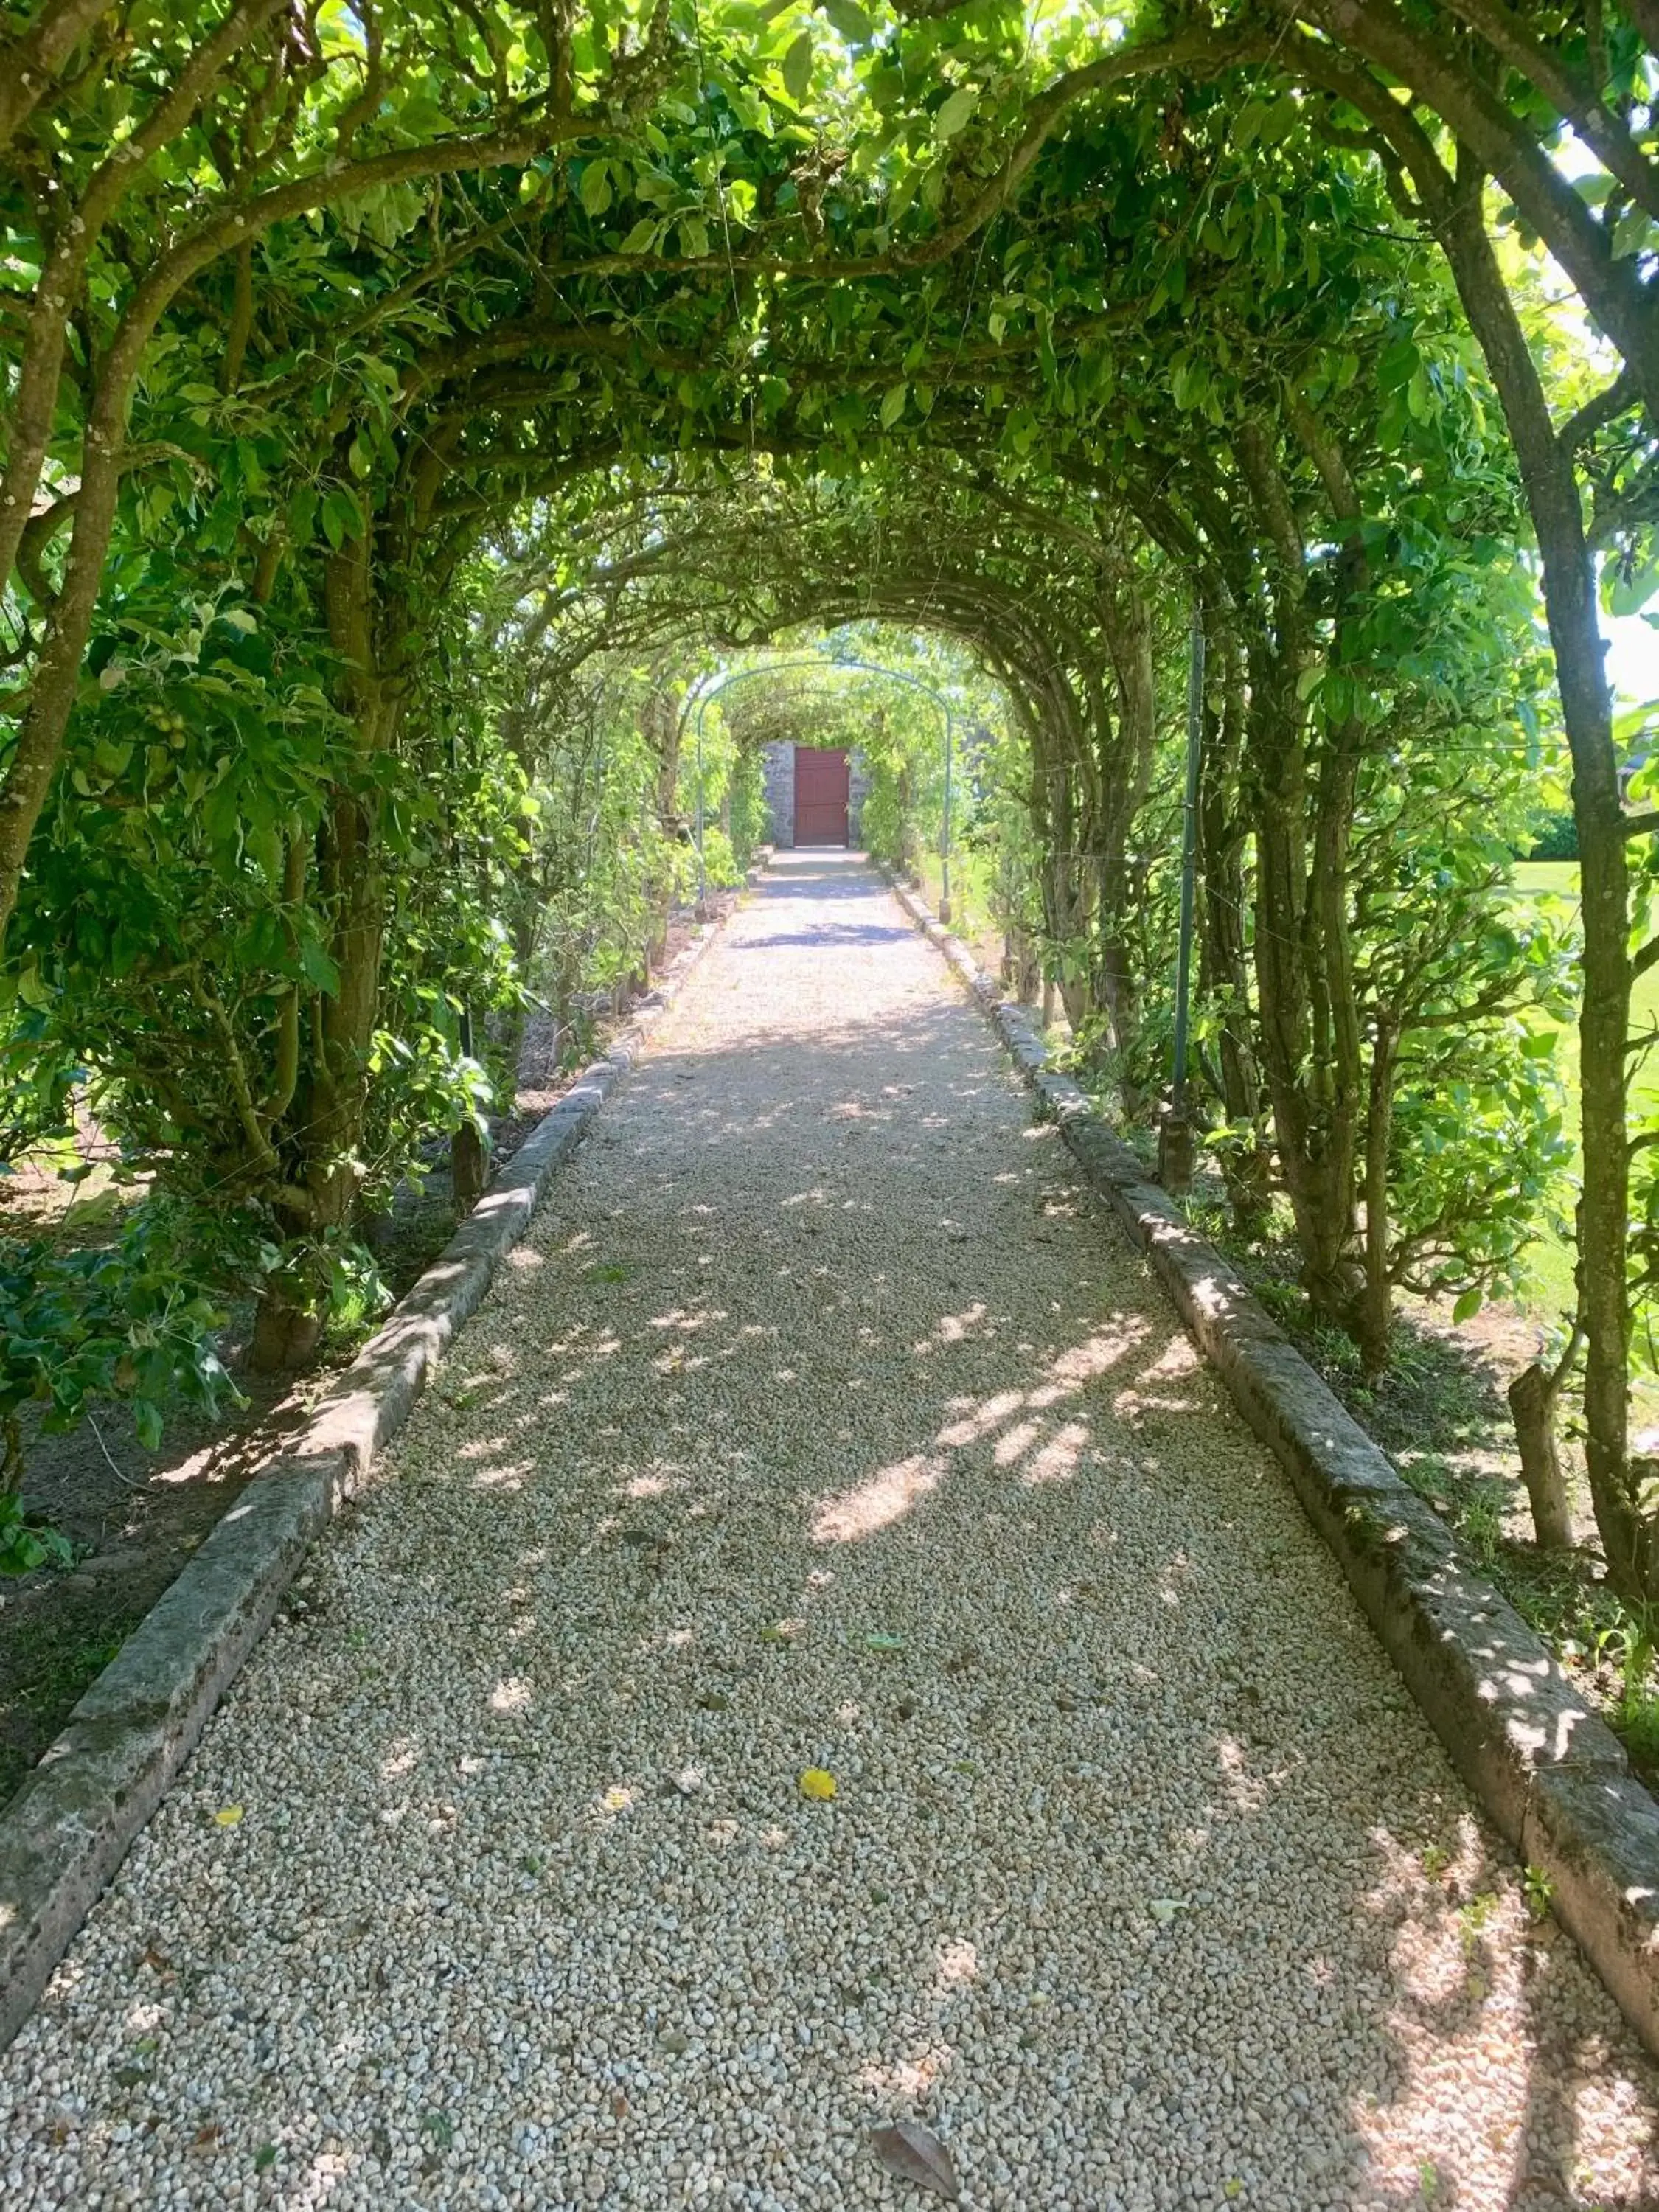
(77, 1812)
(1548, 1770)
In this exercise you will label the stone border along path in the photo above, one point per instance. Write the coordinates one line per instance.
(822, 1420)
(1549, 1772)
(69, 1825)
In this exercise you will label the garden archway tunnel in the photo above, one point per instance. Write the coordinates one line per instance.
(410, 413)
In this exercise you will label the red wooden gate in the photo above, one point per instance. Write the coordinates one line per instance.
(822, 784)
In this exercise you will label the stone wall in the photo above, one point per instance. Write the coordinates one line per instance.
(778, 789)
(857, 791)
(778, 786)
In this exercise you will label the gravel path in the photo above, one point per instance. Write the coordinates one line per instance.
(823, 1422)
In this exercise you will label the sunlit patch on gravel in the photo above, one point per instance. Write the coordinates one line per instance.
(824, 1427)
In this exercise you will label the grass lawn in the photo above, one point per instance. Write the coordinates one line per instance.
(1551, 1259)
(1559, 879)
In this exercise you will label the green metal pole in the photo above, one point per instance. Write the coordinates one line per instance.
(702, 876)
(944, 833)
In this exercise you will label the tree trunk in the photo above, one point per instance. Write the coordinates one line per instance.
(27, 780)
(1569, 574)
(530, 895)
(1615, 295)
(1532, 1396)
(1123, 780)
(1376, 1316)
(1224, 974)
(288, 1327)
(326, 1122)
(1310, 1026)
(1315, 1152)
(1022, 968)
(1068, 874)
(28, 777)
(469, 1166)
(1117, 995)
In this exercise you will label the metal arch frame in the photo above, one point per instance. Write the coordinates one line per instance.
(826, 663)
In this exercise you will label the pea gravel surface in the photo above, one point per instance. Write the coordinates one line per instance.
(822, 1422)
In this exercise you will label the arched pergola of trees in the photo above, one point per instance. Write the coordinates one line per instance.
(402, 401)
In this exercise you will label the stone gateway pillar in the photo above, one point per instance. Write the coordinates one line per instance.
(778, 787)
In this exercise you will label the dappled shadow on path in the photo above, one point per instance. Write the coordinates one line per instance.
(988, 1397)
(827, 934)
(825, 1422)
(930, 1494)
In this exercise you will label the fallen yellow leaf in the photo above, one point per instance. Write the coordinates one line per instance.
(817, 1783)
(227, 1816)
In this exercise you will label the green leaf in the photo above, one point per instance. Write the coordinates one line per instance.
(319, 969)
(1627, 589)
(221, 819)
(893, 406)
(596, 187)
(341, 516)
(642, 237)
(798, 67)
(955, 112)
(1399, 364)
(1633, 233)
(1467, 1306)
(147, 1420)
(1278, 120)
(850, 20)
(1190, 384)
